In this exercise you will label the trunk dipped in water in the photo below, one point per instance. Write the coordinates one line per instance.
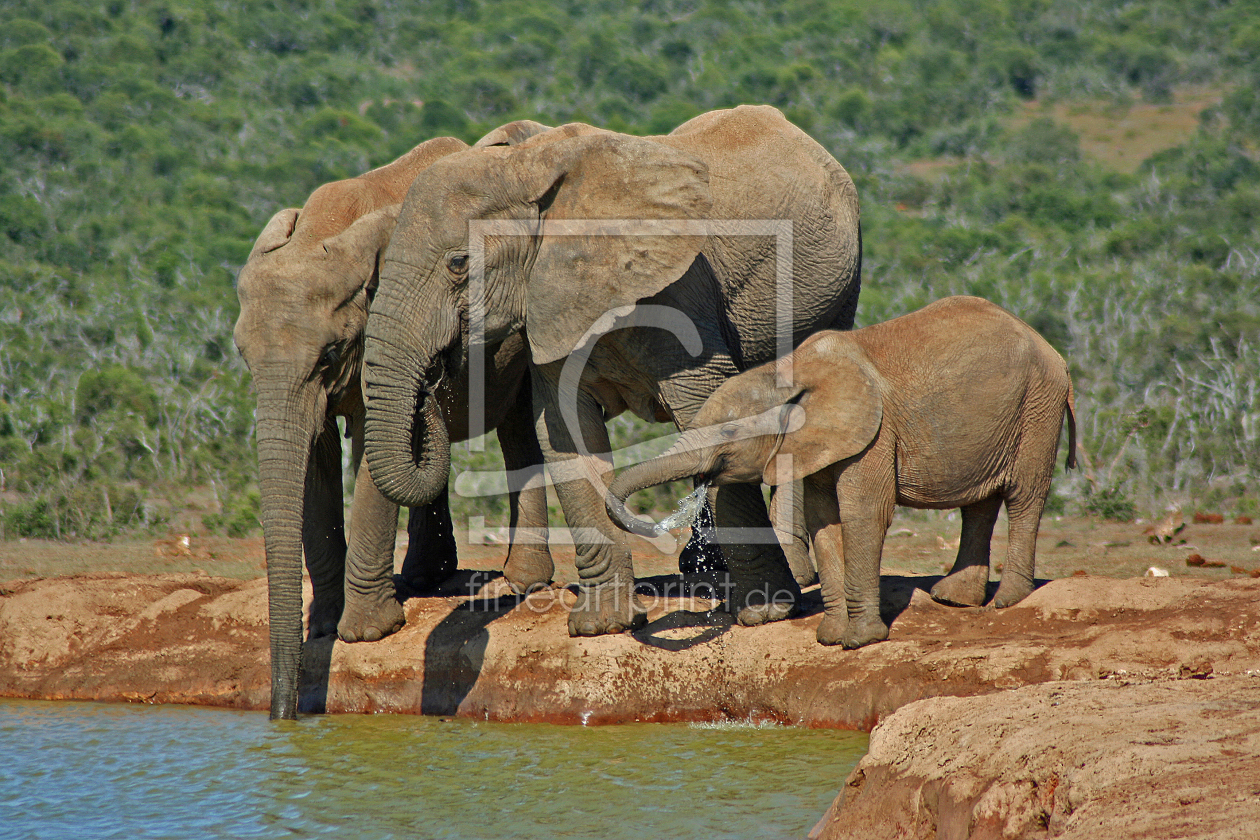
(285, 430)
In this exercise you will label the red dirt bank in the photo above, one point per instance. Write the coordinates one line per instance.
(198, 639)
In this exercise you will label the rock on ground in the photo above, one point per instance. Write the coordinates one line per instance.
(1087, 760)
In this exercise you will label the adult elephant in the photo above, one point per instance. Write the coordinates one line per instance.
(687, 283)
(304, 294)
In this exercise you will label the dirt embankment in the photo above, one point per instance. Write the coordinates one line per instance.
(1073, 760)
(196, 639)
(1094, 698)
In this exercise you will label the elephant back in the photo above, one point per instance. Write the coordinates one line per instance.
(774, 186)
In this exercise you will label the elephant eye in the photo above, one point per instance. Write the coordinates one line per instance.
(331, 356)
(458, 263)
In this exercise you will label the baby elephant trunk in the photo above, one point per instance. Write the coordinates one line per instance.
(666, 468)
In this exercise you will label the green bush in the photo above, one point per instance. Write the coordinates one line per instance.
(115, 390)
(146, 145)
(239, 518)
(1112, 504)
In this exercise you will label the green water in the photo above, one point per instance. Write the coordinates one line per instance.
(86, 770)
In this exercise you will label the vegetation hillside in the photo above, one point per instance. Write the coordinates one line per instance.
(1090, 165)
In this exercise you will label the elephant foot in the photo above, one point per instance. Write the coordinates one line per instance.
(863, 632)
(528, 568)
(963, 588)
(832, 629)
(323, 618)
(606, 608)
(1011, 592)
(369, 620)
(772, 596)
(756, 614)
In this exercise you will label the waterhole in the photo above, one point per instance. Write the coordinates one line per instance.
(89, 770)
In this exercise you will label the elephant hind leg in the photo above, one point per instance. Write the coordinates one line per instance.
(965, 585)
(1017, 583)
(431, 554)
(1025, 501)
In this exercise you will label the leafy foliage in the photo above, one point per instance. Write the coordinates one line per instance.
(146, 143)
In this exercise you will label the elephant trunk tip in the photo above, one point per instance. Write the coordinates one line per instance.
(627, 521)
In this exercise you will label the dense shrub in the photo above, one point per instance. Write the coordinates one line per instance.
(145, 144)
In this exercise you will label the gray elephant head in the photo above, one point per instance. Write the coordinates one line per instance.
(304, 293)
(497, 216)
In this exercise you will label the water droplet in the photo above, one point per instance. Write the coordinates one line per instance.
(688, 511)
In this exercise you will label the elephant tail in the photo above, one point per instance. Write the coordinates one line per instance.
(1071, 424)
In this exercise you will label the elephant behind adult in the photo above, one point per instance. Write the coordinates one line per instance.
(304, 293)
(649, 314)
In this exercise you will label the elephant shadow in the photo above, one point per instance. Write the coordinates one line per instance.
(316, 665)
(664, 632)
(455, 648)
(454, 651)
(669, 632)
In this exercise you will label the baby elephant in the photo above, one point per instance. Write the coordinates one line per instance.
(957, 405)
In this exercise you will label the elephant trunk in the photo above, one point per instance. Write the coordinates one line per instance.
(671, 466)
(285, 430)
(407, 446)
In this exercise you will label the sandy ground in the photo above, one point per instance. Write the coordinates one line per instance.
(919, 542)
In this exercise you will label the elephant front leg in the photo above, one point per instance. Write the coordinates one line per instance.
(787, 512)
(761, 588)
(865, 502)
(863, 544)
(323, 532)
(967, 581)
(529, 564)
(606, 600)
(372, 609)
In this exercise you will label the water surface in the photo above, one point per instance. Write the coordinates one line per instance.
(89, 770)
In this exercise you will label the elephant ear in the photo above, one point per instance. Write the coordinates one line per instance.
(360, 246)
(277, 232)
(834, 416)
(610, 208)
(512, 133)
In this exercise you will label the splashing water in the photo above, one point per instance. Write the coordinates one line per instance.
(688, 511)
